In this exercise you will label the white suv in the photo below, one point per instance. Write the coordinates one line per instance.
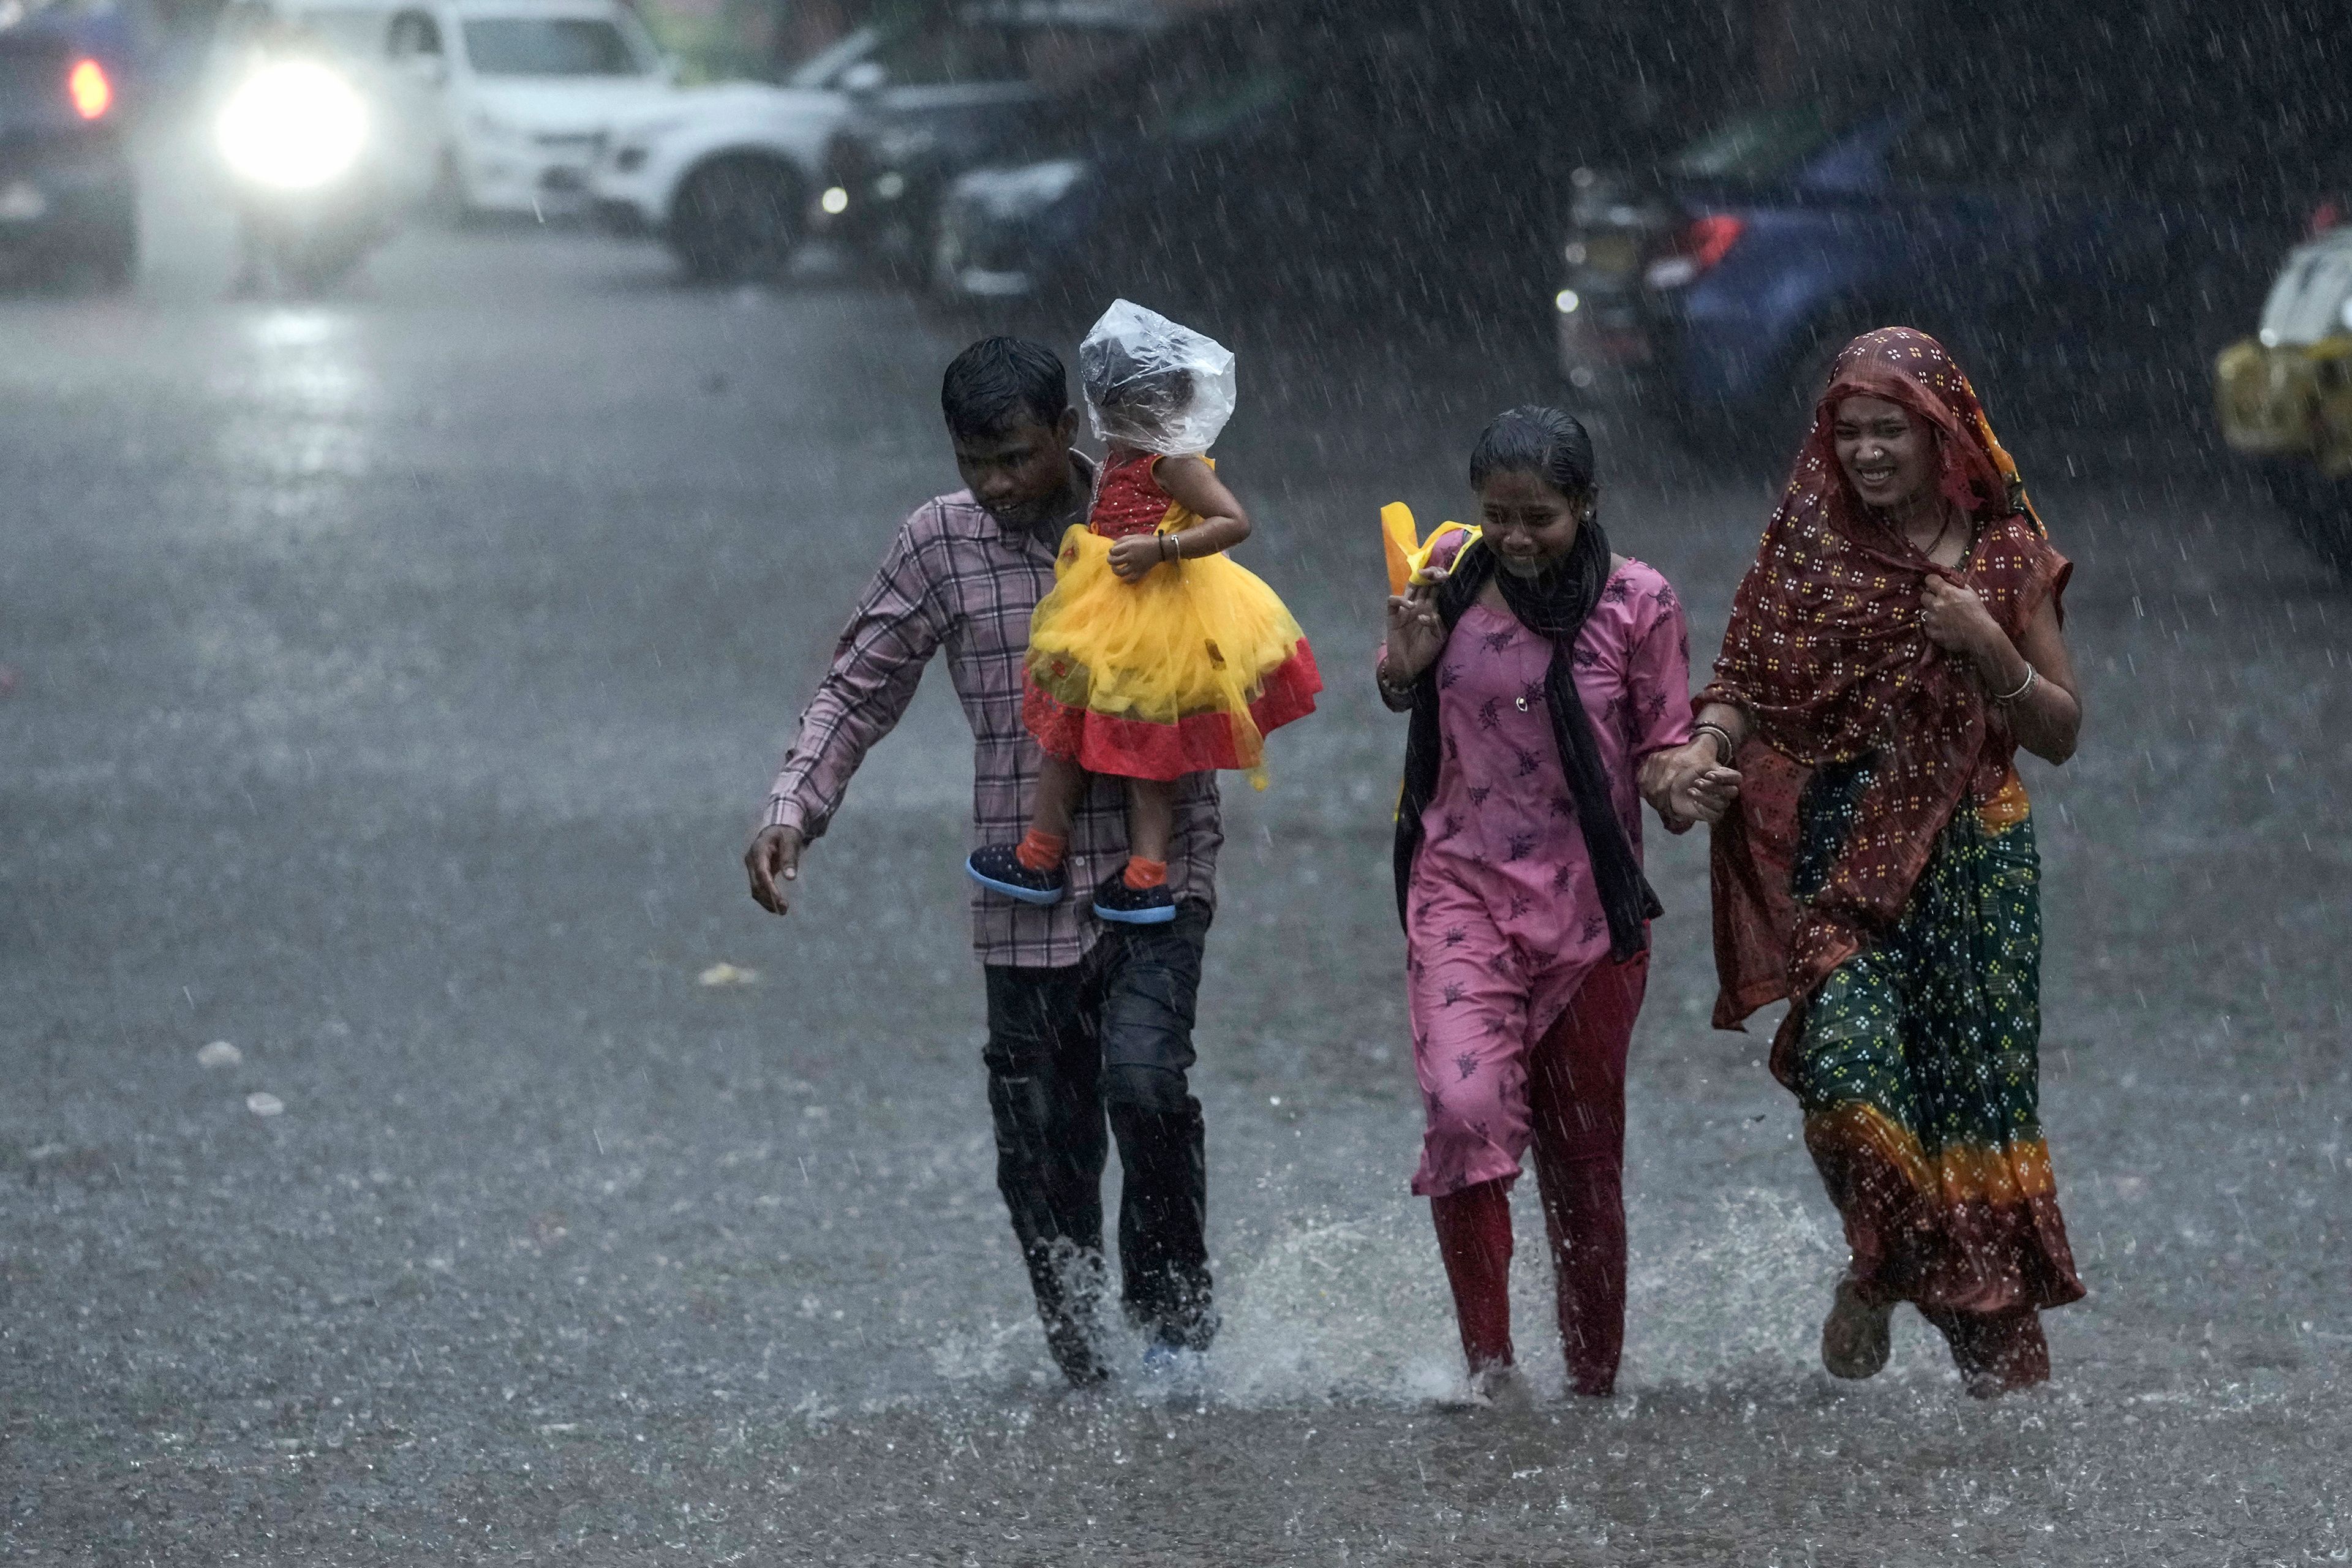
(526, 92)
(732, 174)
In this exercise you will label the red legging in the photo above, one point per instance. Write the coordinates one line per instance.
(1576, 1092)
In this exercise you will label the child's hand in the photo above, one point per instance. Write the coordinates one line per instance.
(1137, 555)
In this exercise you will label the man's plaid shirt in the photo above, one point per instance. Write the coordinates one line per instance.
(954, 578)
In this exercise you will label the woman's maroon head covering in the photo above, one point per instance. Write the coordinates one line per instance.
(1906, 366)
(1827, 655)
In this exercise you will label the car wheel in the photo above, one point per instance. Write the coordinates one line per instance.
(2320, 509)
(736, 218)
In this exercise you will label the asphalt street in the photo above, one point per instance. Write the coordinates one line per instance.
(392, 683)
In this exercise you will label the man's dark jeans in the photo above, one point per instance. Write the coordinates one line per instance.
(1112, 1033)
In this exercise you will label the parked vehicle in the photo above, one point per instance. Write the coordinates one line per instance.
(2056, 252)
(735, 176)
(945, 98)
(1293, 152)
(2285, 394)
(68, 199)
(526, 93)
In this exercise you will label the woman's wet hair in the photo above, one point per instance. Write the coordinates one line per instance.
(1533, 439)
(998, 383)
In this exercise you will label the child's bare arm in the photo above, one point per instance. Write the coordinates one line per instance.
(1192, 482)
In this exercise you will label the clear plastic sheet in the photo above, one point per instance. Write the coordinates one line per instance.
(1153, 383)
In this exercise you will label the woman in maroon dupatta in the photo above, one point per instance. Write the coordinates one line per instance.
(1896, 640)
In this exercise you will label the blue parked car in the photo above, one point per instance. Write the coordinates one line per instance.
(2091, 258)
(68, 198)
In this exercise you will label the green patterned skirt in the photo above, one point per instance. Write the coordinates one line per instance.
(1918, 1066)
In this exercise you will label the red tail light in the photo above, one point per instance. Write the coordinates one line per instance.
(2324, 216)
(1708, 239)
(1703, 242)
(91, 93)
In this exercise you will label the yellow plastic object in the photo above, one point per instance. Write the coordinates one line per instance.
(1407, 554)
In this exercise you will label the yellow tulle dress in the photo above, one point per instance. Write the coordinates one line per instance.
(1185, 670)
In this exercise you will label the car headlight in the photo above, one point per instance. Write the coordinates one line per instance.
(645, 133)
(1007, 195)
(294, 126)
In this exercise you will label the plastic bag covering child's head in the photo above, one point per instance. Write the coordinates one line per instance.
(1153, 384)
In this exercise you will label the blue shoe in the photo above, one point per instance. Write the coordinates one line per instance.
(1115, 901)
(999, 869)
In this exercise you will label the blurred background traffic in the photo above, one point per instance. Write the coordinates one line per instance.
(2121, 215)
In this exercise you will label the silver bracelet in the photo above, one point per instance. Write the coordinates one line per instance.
(2031, 676)
(1169, 550)
(1725, 752)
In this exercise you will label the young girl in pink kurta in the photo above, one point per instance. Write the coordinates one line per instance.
(1519, 867)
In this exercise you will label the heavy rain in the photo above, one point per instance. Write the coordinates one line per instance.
(442, 446)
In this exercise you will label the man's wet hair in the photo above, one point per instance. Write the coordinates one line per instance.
(1533, 439)
(998, 383)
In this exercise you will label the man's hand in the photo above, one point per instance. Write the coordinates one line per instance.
(1132, 557)
(773, 859)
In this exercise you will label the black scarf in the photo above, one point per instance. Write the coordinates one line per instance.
(1553, 603)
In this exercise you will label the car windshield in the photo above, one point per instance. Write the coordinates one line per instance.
(32, 81)
(551, 46)
(819, 69)
(352, 30)
(1768, 145)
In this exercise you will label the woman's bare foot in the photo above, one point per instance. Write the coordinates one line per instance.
(1856, 1337)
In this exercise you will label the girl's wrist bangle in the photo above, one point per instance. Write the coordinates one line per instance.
(2032, 675)
(1169, 549)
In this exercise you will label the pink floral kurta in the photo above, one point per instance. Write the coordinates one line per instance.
(1503, 918)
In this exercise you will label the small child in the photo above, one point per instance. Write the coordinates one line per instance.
(1154, 656)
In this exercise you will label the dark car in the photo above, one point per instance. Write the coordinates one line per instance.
(952, 93)
(1293, 152)
(68, 201)
(2077, 257)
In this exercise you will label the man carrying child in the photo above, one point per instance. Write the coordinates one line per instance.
(1084, 1021)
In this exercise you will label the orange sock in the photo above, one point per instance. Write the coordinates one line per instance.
(1143, 874)
(1040, 851)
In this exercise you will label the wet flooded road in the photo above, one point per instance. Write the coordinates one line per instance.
(395, 680)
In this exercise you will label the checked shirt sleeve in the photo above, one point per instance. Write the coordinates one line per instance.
(898, 625)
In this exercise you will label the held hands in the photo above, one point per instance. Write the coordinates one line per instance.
(1687, 785)
(1132, 557)
(774, 862)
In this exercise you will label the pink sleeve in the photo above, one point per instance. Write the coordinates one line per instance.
(1447, 550)
(1658, 672)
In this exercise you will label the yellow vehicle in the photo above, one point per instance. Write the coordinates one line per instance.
(2285, 394)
